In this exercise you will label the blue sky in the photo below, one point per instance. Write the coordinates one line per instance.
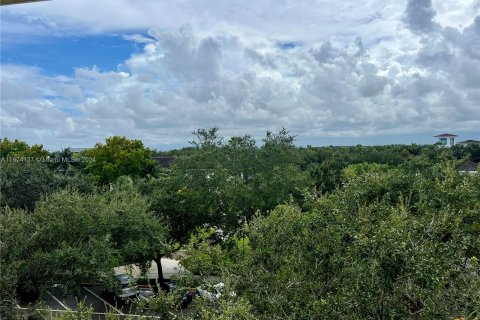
(333, 73)
(56, 55)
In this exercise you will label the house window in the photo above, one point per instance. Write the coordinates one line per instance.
(443, 141)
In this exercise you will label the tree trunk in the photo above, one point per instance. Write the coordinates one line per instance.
(158, 261)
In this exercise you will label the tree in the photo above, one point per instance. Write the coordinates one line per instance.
(136, 232)
(207, 138)
(354, 171)
(224, 183)
(63, 161)
(24, 174)
(277, 176)
(387, 245)
(15, 228)
(22, 184)
(21, 149)
(72, 238)
(119, 156)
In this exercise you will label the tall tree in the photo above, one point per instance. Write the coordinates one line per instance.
(63, 161)
(73, 238)
(119, 156)
(223, 184)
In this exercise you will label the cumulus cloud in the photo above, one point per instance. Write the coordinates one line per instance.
(187, 78)
(419, 15)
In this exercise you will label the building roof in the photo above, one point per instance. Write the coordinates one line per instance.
(164, 162)
(445, 135)
(468, 141)
(468, 166)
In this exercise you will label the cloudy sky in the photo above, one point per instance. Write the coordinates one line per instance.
(74, 72)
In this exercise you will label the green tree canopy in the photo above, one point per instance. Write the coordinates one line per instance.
(387, 245)
(223, 183)
(72, 238)
(119, 156)
(20, 149)
(22, 184)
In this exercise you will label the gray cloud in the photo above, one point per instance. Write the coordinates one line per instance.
(419, 16)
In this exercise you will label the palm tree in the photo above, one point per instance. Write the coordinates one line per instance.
(64, 159)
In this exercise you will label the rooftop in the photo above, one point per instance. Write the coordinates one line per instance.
(164, 162)
(468, 141)
(444, 135)
(468, 166)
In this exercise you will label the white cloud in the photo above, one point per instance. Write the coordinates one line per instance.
(344, 82)
(138, 38)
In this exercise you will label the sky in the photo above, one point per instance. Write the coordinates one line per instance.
(74, 72)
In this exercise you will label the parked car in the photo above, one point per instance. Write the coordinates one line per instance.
(123, 287)
(215, 293)
(187, 296)
(146, 294)
(169, 286)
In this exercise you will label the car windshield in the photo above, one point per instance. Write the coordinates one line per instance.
(125, 279)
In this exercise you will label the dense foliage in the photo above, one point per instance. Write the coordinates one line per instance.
(388, 245)
(381, 232)
(224, 183)
(22, 184)
(72, 239)
(20, 149)
(119, 156)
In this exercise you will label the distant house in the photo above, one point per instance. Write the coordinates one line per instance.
(468, 167)
(469, 142)
(446, 139)
(164, 162)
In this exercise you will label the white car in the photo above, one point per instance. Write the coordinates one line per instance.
(216, 292)
(125, 287)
